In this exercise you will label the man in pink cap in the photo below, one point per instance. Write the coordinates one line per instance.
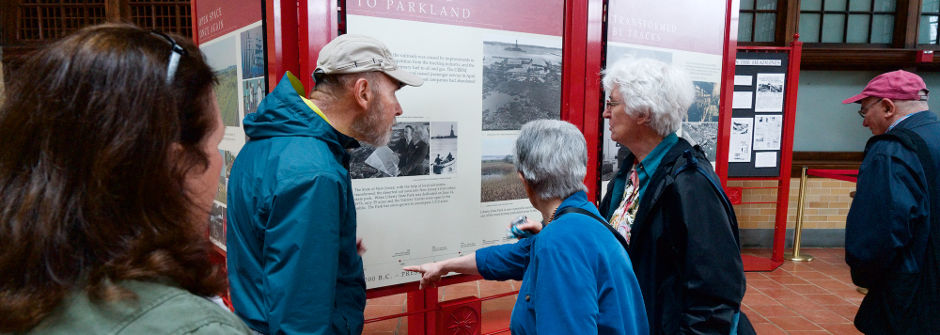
(891, 242)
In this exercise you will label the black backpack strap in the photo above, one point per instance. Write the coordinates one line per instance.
(566, 210)
(692, 163)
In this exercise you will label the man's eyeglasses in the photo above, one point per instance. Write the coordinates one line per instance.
(610, 104)
(177, 51)
(864, 109)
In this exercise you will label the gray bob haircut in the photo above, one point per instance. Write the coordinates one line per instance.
(552, 157)
(650, 85)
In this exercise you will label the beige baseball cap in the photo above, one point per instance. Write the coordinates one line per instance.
(353, 53)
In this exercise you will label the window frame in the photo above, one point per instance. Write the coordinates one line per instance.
(900, 53)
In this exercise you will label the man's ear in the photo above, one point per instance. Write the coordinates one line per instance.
(890, 108)
(362, 92)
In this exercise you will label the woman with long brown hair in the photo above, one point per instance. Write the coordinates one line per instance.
(108, 167)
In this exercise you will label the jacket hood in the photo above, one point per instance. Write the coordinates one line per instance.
(284, 113)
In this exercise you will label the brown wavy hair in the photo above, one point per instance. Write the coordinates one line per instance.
(90, 191)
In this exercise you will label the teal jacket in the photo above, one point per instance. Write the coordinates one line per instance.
(158, 309)
(293, 265)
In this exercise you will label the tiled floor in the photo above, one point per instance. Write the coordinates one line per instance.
(798, 298)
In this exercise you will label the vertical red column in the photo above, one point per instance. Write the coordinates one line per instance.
(729, 53)
(580, 88)
(280, 17)
(317, 27)
(423, 323)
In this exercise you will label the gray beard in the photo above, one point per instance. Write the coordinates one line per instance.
(370, 129)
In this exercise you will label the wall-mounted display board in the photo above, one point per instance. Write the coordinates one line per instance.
(664, 32)
(757, 114)
(489, 67)
(230, 35)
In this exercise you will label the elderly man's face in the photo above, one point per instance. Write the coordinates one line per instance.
(376, 123)
(620, 122)
(873, 111)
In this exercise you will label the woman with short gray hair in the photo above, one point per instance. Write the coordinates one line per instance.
(667, 203)
(575, 274)
(553, 168)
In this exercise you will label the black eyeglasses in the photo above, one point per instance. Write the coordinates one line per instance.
(862, 111)
(177, 51)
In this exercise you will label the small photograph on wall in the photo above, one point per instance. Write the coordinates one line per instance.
(227, 158)
(443, 148)
(221, 55)
(769, 92)
(499, 179)
(406, 154)
(701, 124)
(742, 130)
(252, 53)
(217, 224)
(521, 82)
(252, 94)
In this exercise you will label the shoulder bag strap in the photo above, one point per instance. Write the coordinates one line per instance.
(566, 210)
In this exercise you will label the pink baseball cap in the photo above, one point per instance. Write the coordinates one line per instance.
(896, 85)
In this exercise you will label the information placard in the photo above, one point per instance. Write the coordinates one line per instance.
(230, 35)
(765, 115)
(445, 185)
(663, 31)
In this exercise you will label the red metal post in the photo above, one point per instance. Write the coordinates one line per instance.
(580, 88)
(729, 52)
(194, 21)
(425, 323)
(318, 26)
(786, 150)
(280, 19)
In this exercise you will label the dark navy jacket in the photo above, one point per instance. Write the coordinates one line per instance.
(887, 227)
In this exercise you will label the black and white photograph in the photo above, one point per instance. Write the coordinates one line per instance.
(217, 223)
(767, 130)
(521, 82)
(499, 179)
(221, 54)
(742, 130)
(769, 92)
(701, 124)
(252, 94)
(252, 53)
(407, 154)
(443, 148)
(704, 134)
(705, 106)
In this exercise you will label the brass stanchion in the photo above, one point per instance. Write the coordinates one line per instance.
(798, 230)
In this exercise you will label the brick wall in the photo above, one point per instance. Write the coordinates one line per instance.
(825, 206)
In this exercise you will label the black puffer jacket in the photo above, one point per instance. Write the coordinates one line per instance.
(684, 246)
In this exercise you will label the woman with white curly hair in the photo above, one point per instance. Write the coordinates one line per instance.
(666, 201)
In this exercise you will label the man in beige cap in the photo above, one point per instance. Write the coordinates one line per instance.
(293, 260)
(891, 232)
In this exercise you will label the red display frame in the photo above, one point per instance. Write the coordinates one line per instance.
(296, 31)
(751, 262)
